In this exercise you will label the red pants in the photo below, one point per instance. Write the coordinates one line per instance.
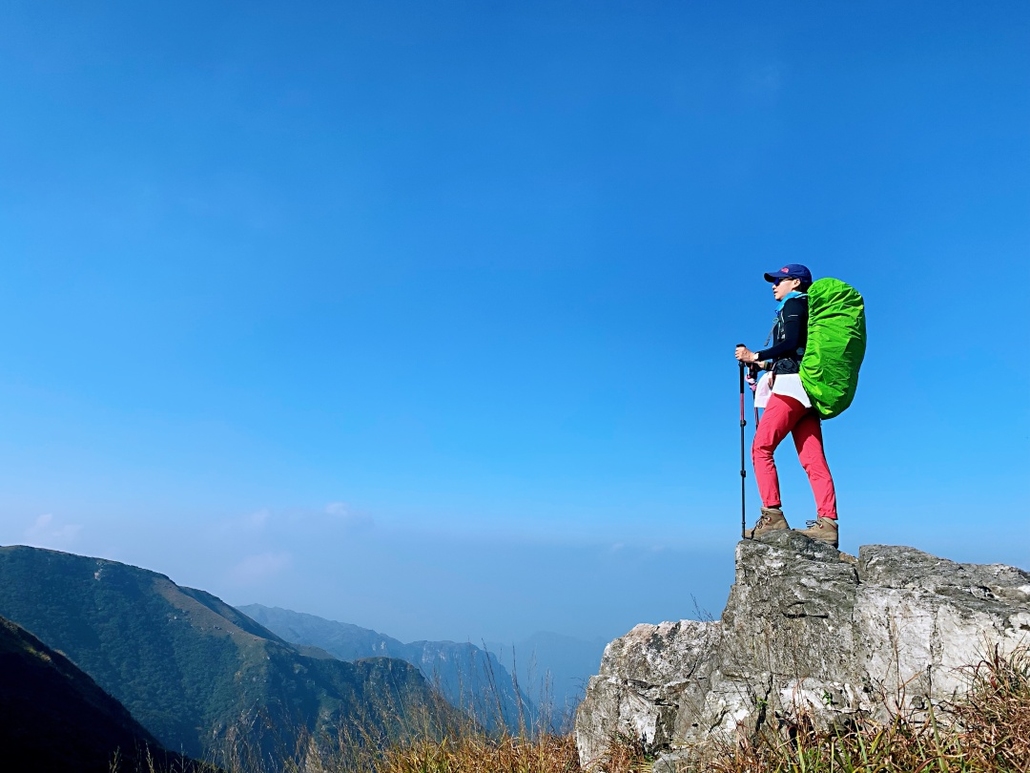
(783, 415)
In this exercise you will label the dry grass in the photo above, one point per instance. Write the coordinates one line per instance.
(505, 754)
(994, 719)
(987, 732)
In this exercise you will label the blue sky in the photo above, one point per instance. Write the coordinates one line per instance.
(421, 315)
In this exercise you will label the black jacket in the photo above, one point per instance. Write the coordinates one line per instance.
(789, 336)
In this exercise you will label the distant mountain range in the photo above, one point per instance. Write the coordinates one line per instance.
(197, 674)
(53, 717)
(550, 670)
(467, 676)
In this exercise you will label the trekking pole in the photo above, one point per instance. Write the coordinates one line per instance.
(743, 469)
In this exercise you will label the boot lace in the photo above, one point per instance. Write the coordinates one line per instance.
(763, 520)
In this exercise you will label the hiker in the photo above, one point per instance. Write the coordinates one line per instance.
(789, 409)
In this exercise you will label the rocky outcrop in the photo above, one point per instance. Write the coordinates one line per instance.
(806, 629)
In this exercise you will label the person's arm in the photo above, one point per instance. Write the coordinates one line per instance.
(795, 317)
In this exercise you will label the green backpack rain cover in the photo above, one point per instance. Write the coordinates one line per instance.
(836, 345)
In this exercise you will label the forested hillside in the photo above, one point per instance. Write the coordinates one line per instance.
(53, 717)
(198, 674)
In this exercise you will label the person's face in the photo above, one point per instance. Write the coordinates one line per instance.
(781, 287)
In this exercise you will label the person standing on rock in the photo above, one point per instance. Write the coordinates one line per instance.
(789, 410)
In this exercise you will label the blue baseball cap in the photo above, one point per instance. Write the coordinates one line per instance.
(790, 271)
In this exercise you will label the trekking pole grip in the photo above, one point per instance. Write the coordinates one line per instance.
(740, 368)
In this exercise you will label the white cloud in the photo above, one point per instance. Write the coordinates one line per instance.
(342, 513)
(261, 566)
(46, 532)
(336, 508)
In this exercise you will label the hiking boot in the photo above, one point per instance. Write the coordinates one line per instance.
(771, 520)
(822, 529)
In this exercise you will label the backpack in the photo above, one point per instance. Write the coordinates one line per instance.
(836, 345)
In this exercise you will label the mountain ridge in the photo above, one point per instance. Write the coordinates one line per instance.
(194, 671)
(471, 678)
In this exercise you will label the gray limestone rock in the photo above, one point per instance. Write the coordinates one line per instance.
(806, 630)
(921, 621)
(648, 678)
